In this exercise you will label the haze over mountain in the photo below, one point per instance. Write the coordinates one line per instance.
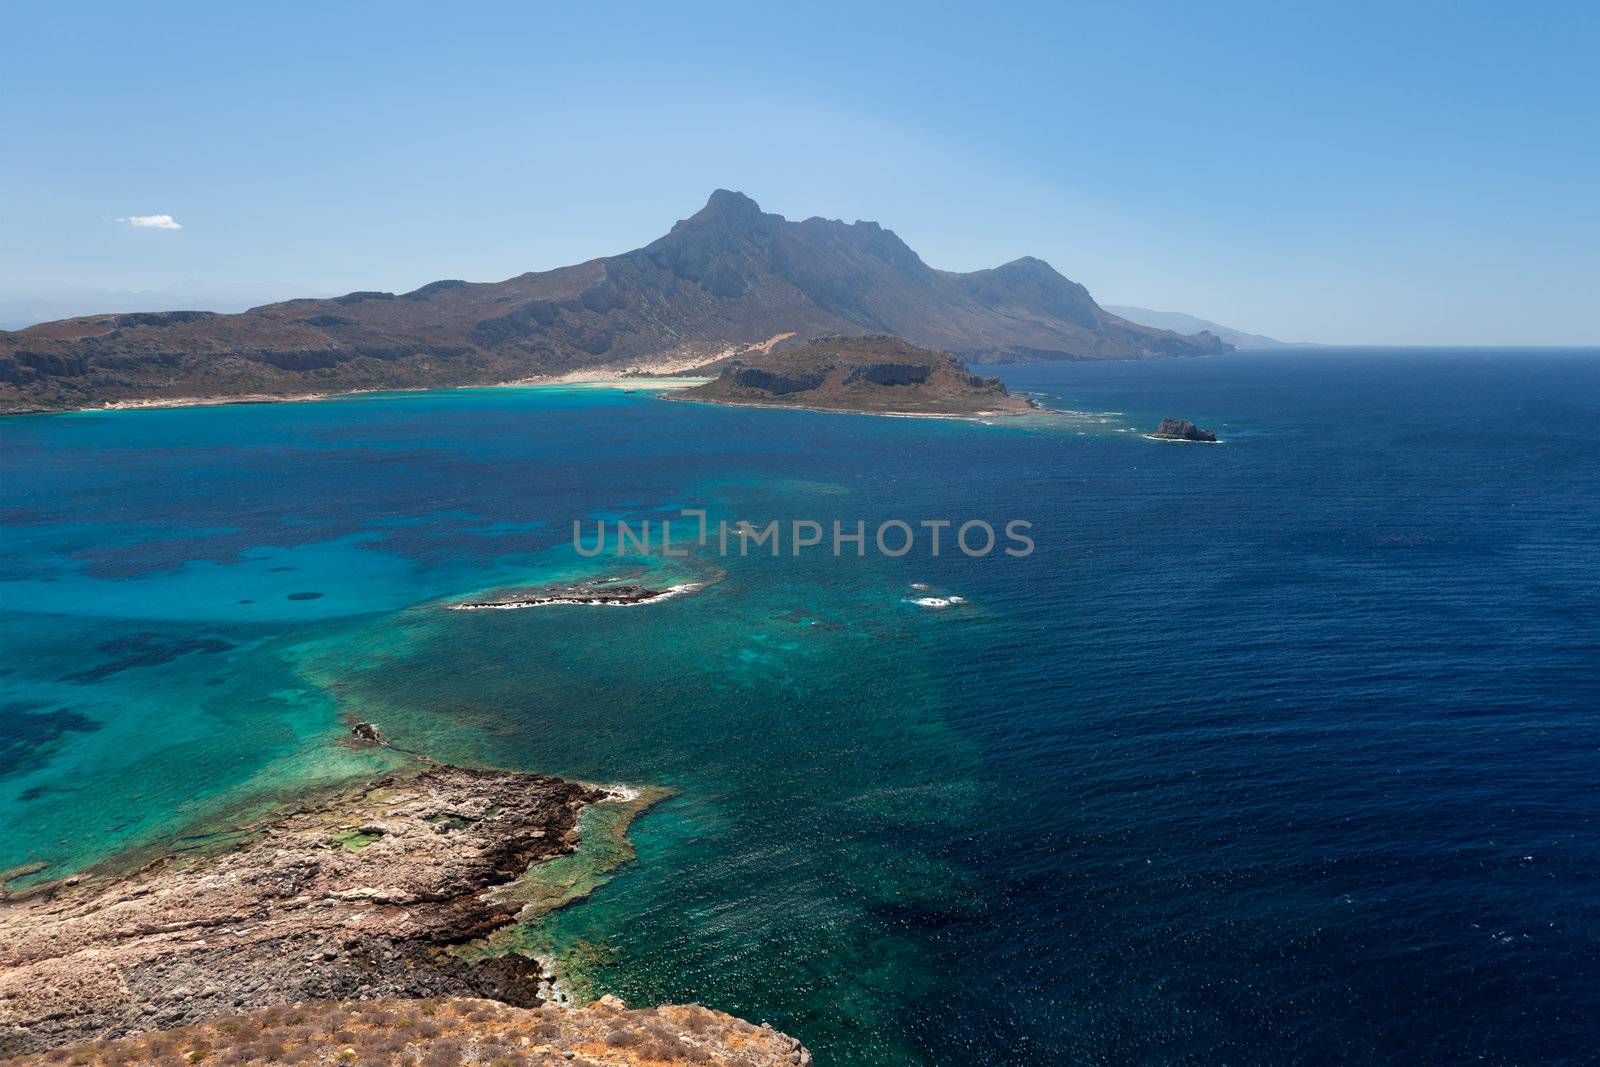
(728, 276)
(27, 303)
(1178, 322)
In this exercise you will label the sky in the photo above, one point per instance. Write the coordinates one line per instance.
(1358, 173)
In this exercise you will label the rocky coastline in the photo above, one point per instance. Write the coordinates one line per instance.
(376, 891)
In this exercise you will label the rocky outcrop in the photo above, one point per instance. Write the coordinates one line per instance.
(1182, 430)
(366, 731)
(727, 276)
(896, 374)
(456, 1030)
(362, 893)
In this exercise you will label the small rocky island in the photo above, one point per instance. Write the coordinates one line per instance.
(878, 375)
(603, 592)
(266, 937)
(1182, 430)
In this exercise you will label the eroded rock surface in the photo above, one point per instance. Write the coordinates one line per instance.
(357, 894)
(457, 1031)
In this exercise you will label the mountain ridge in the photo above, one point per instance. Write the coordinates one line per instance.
(1179, 322)
(728, 275)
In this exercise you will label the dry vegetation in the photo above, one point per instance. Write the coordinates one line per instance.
(448, 1031)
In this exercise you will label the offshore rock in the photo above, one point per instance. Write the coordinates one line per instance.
(1182, 430)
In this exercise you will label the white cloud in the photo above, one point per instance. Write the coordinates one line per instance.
(152, 222)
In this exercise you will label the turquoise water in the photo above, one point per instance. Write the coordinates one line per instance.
(1282, 750)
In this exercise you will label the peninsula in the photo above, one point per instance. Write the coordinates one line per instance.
(878, 374)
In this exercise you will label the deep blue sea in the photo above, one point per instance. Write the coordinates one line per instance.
(1279, 751)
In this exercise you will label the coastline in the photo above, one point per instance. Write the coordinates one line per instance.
(971, 416)
(368, 882)
(154, 403)
(644, 374)
(642, 382)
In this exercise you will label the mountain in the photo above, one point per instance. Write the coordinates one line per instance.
(881, 374)
(1178, 322)
(728, 276)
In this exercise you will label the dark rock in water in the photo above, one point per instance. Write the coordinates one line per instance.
(366, 731)
(305, 596)
(1182, 430)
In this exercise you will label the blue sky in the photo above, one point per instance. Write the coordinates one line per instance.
(1362, 173)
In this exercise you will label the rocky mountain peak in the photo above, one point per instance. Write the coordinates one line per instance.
(730, 208)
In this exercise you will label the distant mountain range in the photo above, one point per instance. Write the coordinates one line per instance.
(24, 303)
(728, 277)
(1178, 322)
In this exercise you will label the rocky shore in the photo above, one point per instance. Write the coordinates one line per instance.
(367, 893)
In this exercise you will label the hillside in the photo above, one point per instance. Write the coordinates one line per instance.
(880, 374)
(728, 276)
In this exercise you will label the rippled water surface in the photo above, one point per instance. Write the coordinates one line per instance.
(1282, 750)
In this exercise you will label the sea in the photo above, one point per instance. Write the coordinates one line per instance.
(1282, 750)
